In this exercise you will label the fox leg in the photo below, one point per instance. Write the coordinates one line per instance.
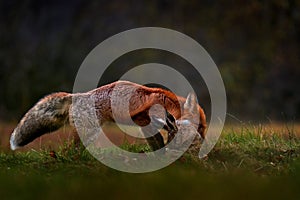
(165, 131)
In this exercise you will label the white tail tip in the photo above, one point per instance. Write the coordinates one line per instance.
(12, 141)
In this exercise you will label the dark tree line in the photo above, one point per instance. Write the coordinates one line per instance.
(255, 44)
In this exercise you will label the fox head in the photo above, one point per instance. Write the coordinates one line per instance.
(192, 118)
(193, 115)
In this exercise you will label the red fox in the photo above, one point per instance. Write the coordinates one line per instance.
(54, 111)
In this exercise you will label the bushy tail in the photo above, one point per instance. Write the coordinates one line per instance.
(47, 115)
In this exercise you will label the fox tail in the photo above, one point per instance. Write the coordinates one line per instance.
(47, 115)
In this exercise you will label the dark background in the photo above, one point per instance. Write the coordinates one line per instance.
(255, 44)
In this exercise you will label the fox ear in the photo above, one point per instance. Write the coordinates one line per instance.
(191, 103)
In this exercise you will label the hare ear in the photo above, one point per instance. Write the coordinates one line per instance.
(190, 104)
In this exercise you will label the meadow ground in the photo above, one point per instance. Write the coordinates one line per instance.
(249, 161)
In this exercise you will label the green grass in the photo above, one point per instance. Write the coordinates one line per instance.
(245, 164)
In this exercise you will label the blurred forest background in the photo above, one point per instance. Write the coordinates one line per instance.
(255, 44)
